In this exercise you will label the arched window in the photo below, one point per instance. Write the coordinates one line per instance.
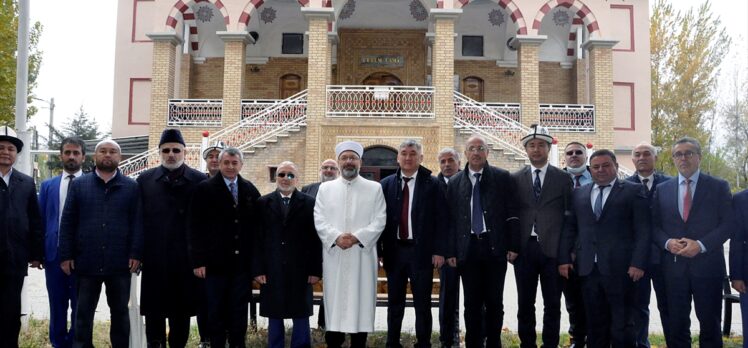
(473, 88)
(290, 84)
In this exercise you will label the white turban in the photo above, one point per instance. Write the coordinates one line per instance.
(349, 146)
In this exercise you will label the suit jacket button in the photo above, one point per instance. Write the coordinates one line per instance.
(236, 252)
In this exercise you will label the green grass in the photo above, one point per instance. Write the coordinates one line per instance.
(37, 337)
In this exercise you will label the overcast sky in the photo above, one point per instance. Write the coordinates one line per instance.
(78, 44)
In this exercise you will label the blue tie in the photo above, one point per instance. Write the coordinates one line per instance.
(477, 221)
(598, 209)
(234, 193)
(536, 185)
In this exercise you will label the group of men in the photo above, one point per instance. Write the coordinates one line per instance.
(201, 240)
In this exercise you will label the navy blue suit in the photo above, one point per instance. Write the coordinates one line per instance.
(711, 221)
(605, 249)
(738, 256)
(654, 275)
(60, 287)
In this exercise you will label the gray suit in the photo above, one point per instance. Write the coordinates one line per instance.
(537, 256)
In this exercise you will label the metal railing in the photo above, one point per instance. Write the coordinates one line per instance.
(380, 101)
(511, 110)
(280, 117)
(137, 164)
(250, 107)
(568, 117)
(484, 120)
(195, 112)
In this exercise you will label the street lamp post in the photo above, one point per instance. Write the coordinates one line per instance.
(51, 105)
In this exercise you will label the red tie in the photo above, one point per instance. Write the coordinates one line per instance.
(404, 214)
(687, 200)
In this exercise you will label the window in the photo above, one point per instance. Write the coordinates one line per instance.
(472, 46)
(271, 172)
(293, 44)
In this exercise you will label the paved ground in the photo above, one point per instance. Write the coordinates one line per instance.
(39, 308)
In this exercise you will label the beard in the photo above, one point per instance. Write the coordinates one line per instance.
(71, 166)
(109, 167)
(328, 177)
(172, 166)
(349, 173)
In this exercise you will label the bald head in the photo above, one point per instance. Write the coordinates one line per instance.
(328, 170)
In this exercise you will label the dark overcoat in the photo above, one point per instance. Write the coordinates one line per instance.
(168, 287)
(221, 231)
(287, 252)
(21, 235)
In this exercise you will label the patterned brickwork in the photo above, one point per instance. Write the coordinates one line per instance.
(207, 79)
(581, 85)
(233, 80)
(529, 79)
(316, 98)
(557, 85)
(185, 76)
(443, 72)
(601, 94)
(497, 87)
(287, 148)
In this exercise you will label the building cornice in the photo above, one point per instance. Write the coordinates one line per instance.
(170, 37)
(599, 43)
(444, 13)
(324, 12)
(235, 36)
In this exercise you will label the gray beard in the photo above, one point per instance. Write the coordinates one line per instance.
(172, 166)
(349, 173)
(328, 178)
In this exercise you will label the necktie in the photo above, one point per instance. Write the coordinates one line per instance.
(687, 200)
(536, 185)
(646, 184)
(576, 181)
(598, 209)
(70, 182)
(234, 193)
(477, 218)
(286, 200)
(404, 213)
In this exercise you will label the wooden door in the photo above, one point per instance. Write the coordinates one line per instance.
(472, 87)
(289, 85)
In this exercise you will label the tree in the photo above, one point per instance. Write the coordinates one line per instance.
(81, 126)
(735, 118)
(8, 47)
(687, 50)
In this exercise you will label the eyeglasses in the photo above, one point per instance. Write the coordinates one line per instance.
(686, 155)
(574, 152)
(329, 168)
(168, 150)
(290, 176)
(348, 159)
(476, 148)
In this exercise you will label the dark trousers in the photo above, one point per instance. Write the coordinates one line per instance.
(61, 292)
(483, 282)
(654, 275)
(706, 293)
(609, 299)
(575, 307)
(117, 295)
(449, 301)
(400, 268)
(335, 339)
(300, 335)
(744, 314)
(529, 266)
(179, 330)
(228, 298)
(10, 309)
(203, 327)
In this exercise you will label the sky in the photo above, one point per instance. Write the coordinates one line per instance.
(78, 44)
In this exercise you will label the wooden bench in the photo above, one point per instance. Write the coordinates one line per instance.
(381, 294)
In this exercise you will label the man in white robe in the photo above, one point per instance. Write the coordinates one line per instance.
(349, 214)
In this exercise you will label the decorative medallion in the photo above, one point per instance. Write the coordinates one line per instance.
(348, 9)
(267, 15)
(204, 14)
(561, 18)
(496, 17)
(418, 12)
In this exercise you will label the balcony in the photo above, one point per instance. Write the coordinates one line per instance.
(380, 101)
(195, 113)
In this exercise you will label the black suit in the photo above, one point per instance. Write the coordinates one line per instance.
(311, 189)
(21, 241)
(605, 249)
(538, 257)
(711, 221)
(482, 258)
(411, 258)
(221, 238)
(653, 274)
(449, 295)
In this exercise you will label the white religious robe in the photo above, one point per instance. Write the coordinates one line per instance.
(350, 276)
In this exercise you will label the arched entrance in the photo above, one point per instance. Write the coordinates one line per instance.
(382, 79)
(378, 162)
